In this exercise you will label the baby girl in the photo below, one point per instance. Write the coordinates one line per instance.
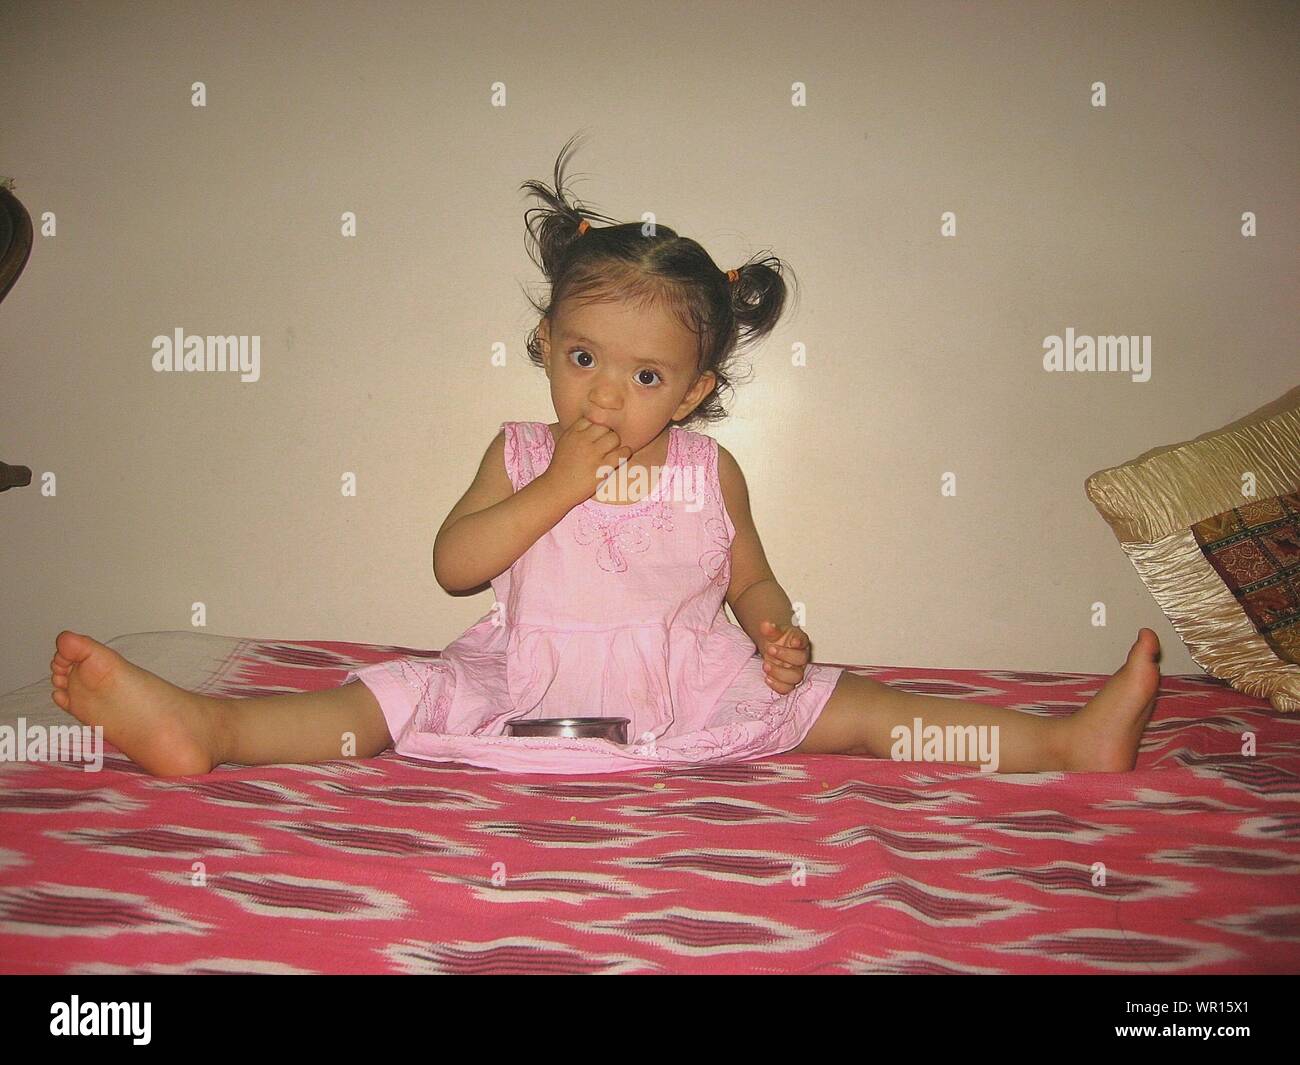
(609, 588)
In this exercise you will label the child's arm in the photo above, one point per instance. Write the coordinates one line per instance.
(753, 594)
(493, 525)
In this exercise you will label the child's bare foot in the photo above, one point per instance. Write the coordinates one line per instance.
(162, 728)
(1103, 736)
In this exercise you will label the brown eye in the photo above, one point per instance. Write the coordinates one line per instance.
(580, 351)
(652, 372)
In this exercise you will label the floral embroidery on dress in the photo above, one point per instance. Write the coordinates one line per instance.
(619, 535)
(430, 715)
(779, 710)
(765, 710)
(537, 451)
(716, 561)
(616, 535)
(713, 743)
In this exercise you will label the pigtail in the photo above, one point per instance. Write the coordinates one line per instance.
(553, 230)
(758, 297)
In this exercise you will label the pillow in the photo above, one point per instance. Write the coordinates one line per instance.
(1224, 565)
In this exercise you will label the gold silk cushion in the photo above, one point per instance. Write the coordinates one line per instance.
(1212, 526)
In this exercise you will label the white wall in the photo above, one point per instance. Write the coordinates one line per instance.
(923, 351)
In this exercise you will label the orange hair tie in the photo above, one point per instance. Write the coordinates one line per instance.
(733, 276)
(583, 226)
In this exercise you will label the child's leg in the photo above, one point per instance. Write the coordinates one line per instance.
(861, 715)
(303, 726)
(173, 732)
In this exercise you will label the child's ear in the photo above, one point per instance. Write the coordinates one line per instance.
(544, 341)
(695, 396)
(544, 335)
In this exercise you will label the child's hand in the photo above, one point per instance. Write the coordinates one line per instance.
(582, 449)
(785, 656)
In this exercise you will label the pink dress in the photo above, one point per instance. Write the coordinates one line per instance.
(617, 611)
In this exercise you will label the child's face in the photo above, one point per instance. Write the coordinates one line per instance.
(629, 367)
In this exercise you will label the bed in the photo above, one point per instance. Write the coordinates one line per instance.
(791, 864)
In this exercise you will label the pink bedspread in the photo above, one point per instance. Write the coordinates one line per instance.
(793, 864)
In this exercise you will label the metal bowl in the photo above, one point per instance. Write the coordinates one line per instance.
(586, 728)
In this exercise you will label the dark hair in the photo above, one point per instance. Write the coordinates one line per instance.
(618, 260)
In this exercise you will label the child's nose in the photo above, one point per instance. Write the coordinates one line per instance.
(604, 397)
